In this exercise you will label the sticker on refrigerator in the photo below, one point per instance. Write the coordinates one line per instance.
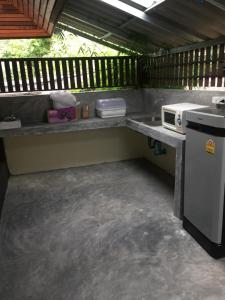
(210, 146)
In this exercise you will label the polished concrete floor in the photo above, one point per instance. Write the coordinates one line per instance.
(103, 232)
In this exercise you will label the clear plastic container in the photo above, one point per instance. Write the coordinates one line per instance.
(114, 107)
(112, 103)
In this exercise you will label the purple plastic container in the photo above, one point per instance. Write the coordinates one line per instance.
(62, 115)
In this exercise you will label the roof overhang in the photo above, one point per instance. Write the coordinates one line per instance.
(29, 18)
(170, 24)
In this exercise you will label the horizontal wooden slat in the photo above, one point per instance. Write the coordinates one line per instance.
(12, 17)
(17, 22)
(15, 27)
(12, 33)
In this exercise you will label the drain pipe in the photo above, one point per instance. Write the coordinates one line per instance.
(157, 146)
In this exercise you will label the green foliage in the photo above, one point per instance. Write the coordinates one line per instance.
(26, 48)
(62, 44)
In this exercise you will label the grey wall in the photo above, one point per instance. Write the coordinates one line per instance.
(4, 175)
(29, 109)
(155, 98)
(32, 108)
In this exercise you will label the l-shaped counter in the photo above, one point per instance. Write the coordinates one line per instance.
(133, 122)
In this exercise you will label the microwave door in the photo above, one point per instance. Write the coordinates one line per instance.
(169, 118)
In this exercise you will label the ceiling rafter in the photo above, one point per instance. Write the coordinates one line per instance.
(174, 23)
(217, 4)
(196, 18)
(70, 15)
(129, 10)
(94, 22)
(158, 23)
(205, 44)
(94, 38)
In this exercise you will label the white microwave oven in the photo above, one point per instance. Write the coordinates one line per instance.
(174, 116)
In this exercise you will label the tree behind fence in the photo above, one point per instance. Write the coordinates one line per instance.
(48, 74)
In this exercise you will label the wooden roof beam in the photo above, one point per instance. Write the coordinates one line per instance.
(95, 23)
(94, 38)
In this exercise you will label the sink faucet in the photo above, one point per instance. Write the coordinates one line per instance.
(156, 117)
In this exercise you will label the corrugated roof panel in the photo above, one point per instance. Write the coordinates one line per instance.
(156, 36)
(98, 9)
(193, 18)
(171, 24)
(82, 26)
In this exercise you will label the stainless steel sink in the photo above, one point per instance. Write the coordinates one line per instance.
(149, 121)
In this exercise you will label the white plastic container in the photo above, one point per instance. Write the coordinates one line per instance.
(113, 107)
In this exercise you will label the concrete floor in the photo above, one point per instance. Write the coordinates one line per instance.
(103, 232)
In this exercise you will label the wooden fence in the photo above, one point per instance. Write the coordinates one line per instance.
(203, 67)
(47, 74)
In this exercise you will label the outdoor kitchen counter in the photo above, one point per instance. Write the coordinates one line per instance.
(175, 140)
(133, 122)
(156, 131)
(45, 128)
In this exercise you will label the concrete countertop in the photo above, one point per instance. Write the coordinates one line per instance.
(46, 128)
(157, 132)
(131, 121)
